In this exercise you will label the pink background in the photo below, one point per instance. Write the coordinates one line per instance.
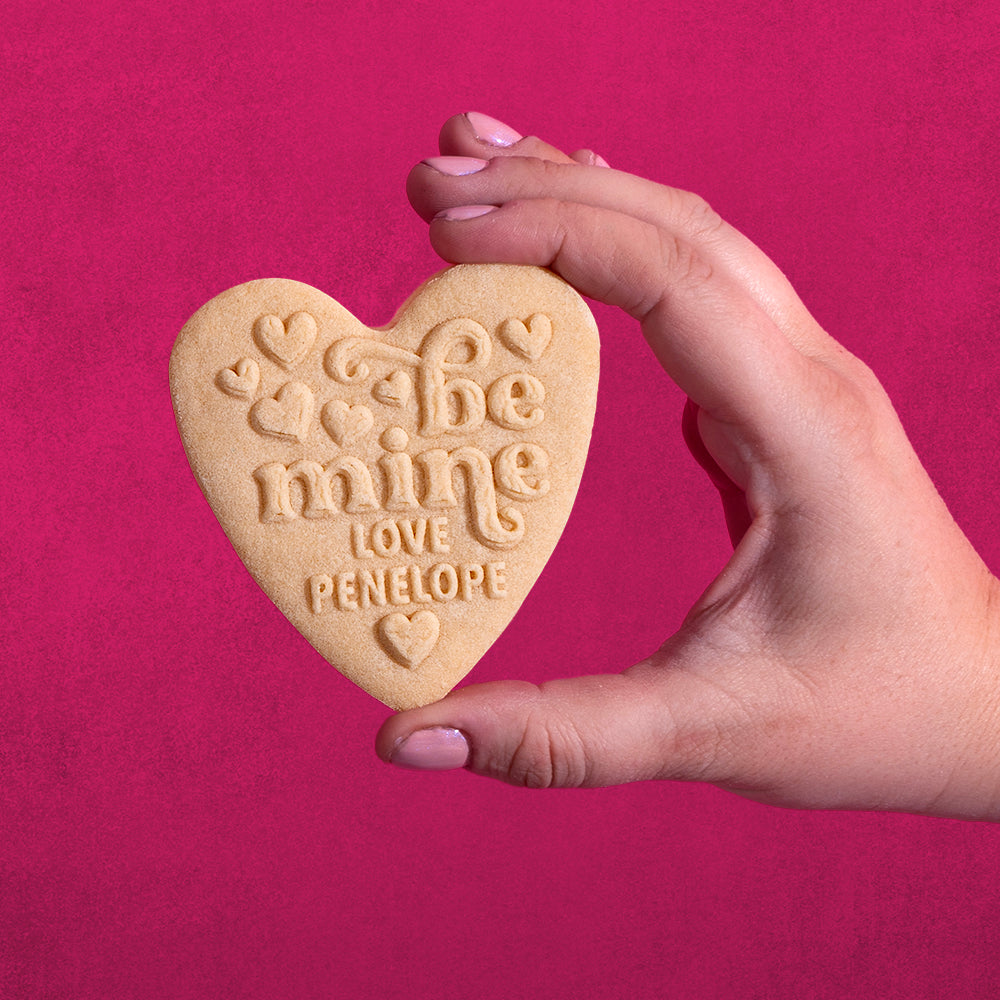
(190, 803)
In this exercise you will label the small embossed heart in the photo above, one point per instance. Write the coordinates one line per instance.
(288, 415)
(527, 340)
(409, 640)
(399, 539)
(394, 390)
(346, 423)
(288, 342)
(241, 380)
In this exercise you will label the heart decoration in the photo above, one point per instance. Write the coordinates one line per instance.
(241, 380)
(410, 640)
(399, 541)
(288, 342)
(346, 423)
(394, 390)
(527, 340)
(288, 415)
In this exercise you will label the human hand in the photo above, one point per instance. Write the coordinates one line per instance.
(848, 655)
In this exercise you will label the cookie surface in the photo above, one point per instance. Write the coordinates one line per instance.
(394, 491)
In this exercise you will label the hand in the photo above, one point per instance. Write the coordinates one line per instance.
(848, 656)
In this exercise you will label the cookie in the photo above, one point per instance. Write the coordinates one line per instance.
(397, 491)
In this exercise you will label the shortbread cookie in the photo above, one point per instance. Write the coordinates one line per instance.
(394, 491)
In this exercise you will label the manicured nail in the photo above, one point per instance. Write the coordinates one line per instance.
(437, 749)
(456, 166)
(461, 212)
(590, 159)
(490, 130)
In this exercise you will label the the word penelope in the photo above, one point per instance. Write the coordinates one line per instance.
(358, 589)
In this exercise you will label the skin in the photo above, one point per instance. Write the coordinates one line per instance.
(848, 656)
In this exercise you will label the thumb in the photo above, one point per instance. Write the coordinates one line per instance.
(649, 722)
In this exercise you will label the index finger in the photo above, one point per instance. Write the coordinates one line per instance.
(436, 184)
(713, 339)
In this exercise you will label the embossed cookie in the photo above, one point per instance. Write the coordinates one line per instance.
(395, 491)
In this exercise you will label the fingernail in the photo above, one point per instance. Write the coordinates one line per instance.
(591, 159)
(437, 749)
(456, 166)
(490, 130)
(460, 212)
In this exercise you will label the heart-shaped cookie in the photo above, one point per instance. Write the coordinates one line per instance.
(400, 542)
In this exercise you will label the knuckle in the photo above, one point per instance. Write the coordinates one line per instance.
(692, 226)
(686, 262)
(707, 716)
(682, 265)
(699, 218)
(867, 382)
(853, 404)
(550, 170)
(695, 753)
(549, 754)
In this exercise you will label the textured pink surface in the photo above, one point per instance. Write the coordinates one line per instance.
(189, 804)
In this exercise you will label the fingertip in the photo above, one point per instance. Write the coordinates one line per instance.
(420, 189)
(466, 234)
(461, 213)
(436, 748)
(492, 131)
(433, 737)
(588, 158)
(453, 132)
(456, 166)
(477, 134)
(431, 180)
(475, 130)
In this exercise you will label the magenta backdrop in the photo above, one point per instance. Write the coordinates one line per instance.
(190, 802)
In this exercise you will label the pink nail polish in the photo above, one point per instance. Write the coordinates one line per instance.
(456, 166)
(437, 749)
(599, 161)
(490, 130)
(462, 212)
